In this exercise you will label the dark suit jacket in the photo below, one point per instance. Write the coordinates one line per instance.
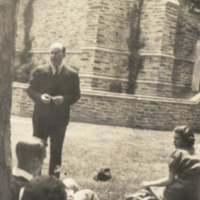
(16, 184)
(65, 84)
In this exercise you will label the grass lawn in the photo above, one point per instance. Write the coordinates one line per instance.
(133, 155)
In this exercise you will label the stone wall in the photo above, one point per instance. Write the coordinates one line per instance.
(169, 35)
(182, 72)
(121, 109)
(96, 33)
(76, 24)
(112, 26)
(63, 20)
(158, 30)
(187, 34)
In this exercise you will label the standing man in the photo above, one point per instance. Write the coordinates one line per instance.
(54, 88)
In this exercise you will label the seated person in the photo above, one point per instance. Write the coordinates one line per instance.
(30, 156)
(182, 181)
(73, 192)
(85, 194)
(71, 186)
(44, 188)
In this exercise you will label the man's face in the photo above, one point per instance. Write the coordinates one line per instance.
(38, 164)
(56, 56)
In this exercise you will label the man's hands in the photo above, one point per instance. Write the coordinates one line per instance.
(45, 98)
(56, 99)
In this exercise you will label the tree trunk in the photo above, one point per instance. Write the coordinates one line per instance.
(7, 50)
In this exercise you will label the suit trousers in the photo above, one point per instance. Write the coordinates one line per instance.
(56, 132)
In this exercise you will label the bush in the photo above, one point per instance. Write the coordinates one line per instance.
(116, 87)
(22, 73)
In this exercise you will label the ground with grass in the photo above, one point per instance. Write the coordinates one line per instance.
(133, 155)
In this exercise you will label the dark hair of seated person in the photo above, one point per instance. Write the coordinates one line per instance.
(29, 148)
(186, 133)
(45, 188)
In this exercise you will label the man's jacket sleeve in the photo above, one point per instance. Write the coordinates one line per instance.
(33, 89)
(75, 91)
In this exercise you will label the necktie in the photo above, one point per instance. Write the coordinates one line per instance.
(56, 73)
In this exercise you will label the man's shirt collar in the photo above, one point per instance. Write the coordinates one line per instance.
(20, 172)
(54, 69)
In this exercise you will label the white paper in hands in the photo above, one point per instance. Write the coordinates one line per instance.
(45, 98)
(57, 100)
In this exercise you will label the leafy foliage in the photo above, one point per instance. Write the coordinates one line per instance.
(195, 3)
(116, 86)
(22, 70)
(134, 44)
(191, 5)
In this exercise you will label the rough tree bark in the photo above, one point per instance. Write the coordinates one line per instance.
(7, 49)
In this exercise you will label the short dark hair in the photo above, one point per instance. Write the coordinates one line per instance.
(45, 188)
(28, 149)
(186, 133)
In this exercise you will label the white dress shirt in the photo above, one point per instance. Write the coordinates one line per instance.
(20, 172)
(54, 69)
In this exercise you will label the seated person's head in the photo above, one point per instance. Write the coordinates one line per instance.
(44, 188)
(31, 153)
(183, 137)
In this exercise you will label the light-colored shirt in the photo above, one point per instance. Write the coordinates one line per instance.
(54, 69)
(21, 193)
(20, 172)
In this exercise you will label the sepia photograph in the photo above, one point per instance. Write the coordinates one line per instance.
(100, 99)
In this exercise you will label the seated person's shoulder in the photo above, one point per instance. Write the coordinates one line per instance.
(16, 184)
(18, 181)
(176, 153)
